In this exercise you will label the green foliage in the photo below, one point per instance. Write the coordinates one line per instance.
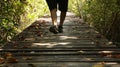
(34, 10)
(75, 6)
(9, 18)
(16, 15)
(103, 15)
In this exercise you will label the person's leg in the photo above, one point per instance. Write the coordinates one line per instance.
(54, 16)
(53, 9)
(62, 18)
(54, 28)
(63, 7)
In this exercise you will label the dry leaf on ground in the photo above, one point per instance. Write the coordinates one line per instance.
(2, 60)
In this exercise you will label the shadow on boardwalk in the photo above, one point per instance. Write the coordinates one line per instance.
(76, 34)
(79, 46)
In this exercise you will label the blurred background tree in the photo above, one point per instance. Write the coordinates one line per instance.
(103, 15)
(16, 15)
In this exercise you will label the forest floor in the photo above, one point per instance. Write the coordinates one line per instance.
(78, 46)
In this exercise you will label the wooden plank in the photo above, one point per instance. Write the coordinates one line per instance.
(33, 53)
(59, 49)
(77, 47)
(62, 64)
(65, 59)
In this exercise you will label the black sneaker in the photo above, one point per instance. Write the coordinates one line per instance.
(53, 29)
(60, 29)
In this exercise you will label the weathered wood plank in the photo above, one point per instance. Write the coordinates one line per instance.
(79, 46)
(62, 64)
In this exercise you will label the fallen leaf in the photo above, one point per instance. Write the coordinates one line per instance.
(31, 65)
(27, 58)
(109, 56)
(98, 36)
(21, 37)
(2, 60)
(88, 31)
(26, 46)
(116, 56)
(12, 60)
(9, 58)
(99, 65)
(8, 55)
(29, 39)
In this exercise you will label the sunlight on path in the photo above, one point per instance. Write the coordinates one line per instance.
(78, 46)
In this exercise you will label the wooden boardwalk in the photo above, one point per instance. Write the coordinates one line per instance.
(79, 46)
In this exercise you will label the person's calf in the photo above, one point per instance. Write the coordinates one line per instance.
(62, 18)
(54, 16)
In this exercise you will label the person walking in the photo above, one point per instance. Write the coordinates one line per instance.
(62, 5)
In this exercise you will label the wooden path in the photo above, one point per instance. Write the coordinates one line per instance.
(79, 46)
